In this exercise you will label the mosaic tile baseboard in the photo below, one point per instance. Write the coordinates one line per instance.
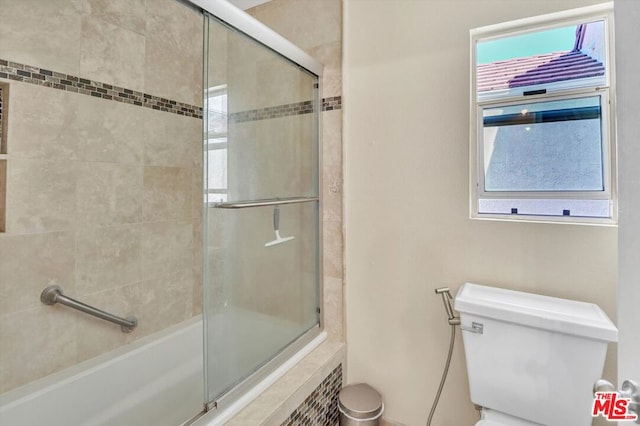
(321, 407)
(53, 79)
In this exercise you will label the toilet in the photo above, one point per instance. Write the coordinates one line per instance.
(532, 359)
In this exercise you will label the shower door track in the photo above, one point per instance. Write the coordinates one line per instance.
(265, 202)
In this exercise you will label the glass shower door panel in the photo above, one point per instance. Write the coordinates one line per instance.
(264, 296)
(272, 158)
(262, 268)
(272, 144)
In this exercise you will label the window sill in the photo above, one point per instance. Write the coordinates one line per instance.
(556, 220)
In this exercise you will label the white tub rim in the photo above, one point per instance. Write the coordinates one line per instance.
(60, 378)
(247, 391)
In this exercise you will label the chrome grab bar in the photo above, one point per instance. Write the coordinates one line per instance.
(266, 202)
(53, 294)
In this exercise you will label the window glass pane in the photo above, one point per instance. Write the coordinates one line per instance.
(566, 55)
(212, 142)
(544, 146)
(217, 113)
(216, 198)
(217, 169)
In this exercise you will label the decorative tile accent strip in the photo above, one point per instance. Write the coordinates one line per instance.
(297, 108)
(43, 77)
(305, 107)
(321, 407)
(329, 104)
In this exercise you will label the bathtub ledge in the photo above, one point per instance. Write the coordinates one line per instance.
(280, 399)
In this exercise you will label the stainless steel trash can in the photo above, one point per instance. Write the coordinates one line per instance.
(360, 405)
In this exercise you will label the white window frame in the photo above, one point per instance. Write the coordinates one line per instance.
(554, 91)
(606, 154)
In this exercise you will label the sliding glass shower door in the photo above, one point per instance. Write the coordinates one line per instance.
(262, 217)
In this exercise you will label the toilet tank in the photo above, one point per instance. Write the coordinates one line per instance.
(531, 356)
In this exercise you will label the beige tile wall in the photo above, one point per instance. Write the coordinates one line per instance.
(102, 197)
(46, 36)
(4, 94)
(316, 27)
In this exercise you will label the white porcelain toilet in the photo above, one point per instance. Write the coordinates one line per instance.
(531, 359)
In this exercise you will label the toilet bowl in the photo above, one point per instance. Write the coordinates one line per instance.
(531, 360)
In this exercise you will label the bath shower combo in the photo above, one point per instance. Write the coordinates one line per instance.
(261, 301)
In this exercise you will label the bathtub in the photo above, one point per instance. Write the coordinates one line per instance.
(133, 385)
(157, 380)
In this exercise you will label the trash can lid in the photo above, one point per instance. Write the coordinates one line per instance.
(360, 401)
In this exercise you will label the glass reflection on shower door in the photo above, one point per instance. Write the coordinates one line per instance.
(216, 144)
(262, 255)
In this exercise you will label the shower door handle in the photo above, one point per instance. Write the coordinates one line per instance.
(266, 202)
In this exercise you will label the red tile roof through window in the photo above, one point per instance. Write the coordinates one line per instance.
(537, 69)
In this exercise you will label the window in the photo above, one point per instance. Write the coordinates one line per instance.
(216, 145)
(542, 143)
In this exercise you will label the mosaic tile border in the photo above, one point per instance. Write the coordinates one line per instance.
(329, 104)
(297, 108)
(304, 107)
(321, 407)
(47, 78)
(43, 77)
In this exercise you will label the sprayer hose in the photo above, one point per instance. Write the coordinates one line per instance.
(444, 375)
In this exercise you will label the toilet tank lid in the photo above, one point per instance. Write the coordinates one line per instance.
(534, 310)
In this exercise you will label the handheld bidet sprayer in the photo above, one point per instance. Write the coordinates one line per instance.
(446, 299)
(453, 321)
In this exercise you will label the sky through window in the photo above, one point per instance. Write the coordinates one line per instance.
(537, 43)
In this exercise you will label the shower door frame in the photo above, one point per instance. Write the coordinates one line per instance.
(241, 21)
(236, 18)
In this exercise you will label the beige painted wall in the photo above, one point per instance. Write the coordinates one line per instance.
(406, 97)
(102, 196)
